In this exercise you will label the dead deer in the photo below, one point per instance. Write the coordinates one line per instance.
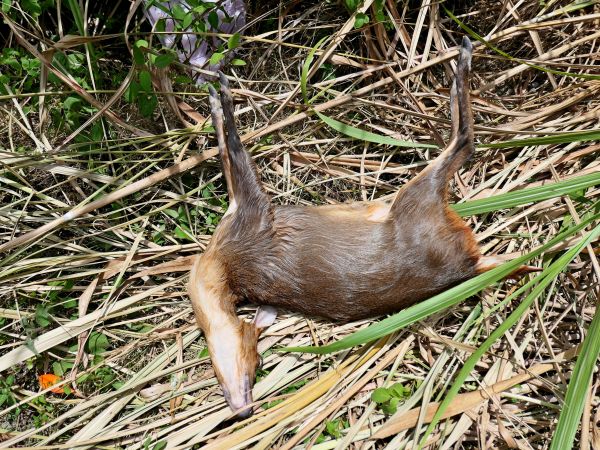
(342, 262)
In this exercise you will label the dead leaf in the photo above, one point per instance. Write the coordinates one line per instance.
(180, 264)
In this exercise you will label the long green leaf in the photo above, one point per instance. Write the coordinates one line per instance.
(570, 414)
(357, 133)
(79, 22)
(560, 138)
(306, 68)
(528, 195)
(77, 16)
(363, 135)
(438, 302)
(542, 281)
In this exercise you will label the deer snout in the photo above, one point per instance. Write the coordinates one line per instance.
(239, 399)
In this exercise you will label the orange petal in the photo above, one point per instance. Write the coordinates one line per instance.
(49, 379)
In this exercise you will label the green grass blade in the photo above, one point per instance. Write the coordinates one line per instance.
(528, 195)
(540, 282)
(560, 138)
(77, 16)
(363, 135)
(438, 302)
(79, 22)
(306, 68)
(570, 414)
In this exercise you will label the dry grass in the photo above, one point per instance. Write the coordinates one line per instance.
(99, 295)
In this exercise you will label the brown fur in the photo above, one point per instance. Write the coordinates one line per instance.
(348, 269)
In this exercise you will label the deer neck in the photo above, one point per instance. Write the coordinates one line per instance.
(214, 308)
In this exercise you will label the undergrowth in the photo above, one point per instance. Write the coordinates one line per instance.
(104, 141)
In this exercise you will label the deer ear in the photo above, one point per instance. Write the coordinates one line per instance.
(265, 316)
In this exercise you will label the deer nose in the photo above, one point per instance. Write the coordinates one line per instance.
(240, 400)
(240, 408)
(244, 414)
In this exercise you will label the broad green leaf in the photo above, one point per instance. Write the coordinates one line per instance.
(147, 104)
(233, 41)
(163, 61)
(57, 369)
(380, 395)
(178, 12)
(184, 79)
(72, 104)
(333, 428)
(146, 81)
(138, 56)
(96, 134)
(213, 20)
(361, 20)
(132, 92)
(160, 445)
(42, 317)
(379, 11)
(161, 25)
(398, 390)
(182, 232)
(187, 21)
(352, 5)
(390, 407)
(215, 58)
(97, 343)
(171, 212)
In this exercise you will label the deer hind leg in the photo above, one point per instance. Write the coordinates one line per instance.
(216, 111)
(243, 183)
(461, 145)
(430, 187)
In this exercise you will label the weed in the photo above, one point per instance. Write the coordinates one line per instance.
(388, 399)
